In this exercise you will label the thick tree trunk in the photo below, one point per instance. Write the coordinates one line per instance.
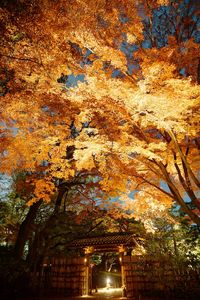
(25, 229)
(39, 239)
(61, 192)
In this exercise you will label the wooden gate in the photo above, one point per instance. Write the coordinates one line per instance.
(140, 274)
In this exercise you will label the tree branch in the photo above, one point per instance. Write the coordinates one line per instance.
(177, 196)
(186, 184)
(22, 59)
(184, 160)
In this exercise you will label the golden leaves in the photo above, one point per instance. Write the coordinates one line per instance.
(87, 149)
(163, 2)
(18, 155)
(121, 112)
(44, 189)
(131, 38)
(147, 205)
(88, 40)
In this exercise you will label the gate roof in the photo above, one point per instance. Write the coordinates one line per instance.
(107, 242)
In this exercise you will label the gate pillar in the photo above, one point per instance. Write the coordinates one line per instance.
(88, 253)
(121, 250)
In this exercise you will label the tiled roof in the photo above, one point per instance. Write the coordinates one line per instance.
(108, 240)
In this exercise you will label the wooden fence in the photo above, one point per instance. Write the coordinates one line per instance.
(144, 275)
(64, 276)
(67, 276)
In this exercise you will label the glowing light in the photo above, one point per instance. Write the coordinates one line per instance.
(108, 281)
(114, 291)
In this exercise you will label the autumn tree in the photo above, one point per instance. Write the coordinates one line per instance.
(146, 123)
(132, 113)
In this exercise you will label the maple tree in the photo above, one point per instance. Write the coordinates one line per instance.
(132, 118)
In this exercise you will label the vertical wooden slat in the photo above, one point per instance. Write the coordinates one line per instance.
(67, 275)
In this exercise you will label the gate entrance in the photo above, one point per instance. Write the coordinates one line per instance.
(136, 274)
(81, 276)
(106, 271)
(111, 277)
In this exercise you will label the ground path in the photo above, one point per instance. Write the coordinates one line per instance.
(102, 294)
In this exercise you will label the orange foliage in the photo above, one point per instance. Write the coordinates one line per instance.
(139, 131)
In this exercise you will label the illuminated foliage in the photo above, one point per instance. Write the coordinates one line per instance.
(130, 113)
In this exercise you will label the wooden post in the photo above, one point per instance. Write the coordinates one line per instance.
(88, 252)
(87, 276)
(123, 275)
(121, 250)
